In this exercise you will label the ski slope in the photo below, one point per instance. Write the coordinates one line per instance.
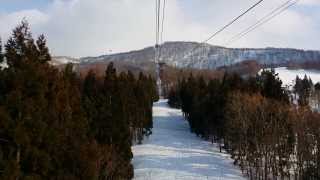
(288, 76)
(173, 153)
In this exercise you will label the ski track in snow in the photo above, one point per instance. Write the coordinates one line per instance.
(172, 152)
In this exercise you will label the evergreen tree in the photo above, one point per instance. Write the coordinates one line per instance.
(19, 46)
(174, 98)
(55, 125)
(317, 86)
(1, 54)
(44, 55)
(255, 122)
(271, 86)
(303, 89)
(42, 119)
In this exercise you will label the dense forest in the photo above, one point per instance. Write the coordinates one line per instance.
(54, 124)
(269, 131)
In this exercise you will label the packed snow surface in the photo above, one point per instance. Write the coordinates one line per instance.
(288, 76)
(172, 152)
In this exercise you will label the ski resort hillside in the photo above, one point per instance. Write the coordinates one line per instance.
(172, 152)
(159, 90)
(207, 56)
(288, 76)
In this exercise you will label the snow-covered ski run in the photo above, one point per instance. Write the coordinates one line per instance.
(172, 152)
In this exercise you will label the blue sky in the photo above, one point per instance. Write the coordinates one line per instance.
(94, 27)
(16, 5)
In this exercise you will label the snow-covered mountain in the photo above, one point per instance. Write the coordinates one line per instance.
(60, 60)
(207, 56)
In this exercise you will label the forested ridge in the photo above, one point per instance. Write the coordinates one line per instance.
(56, 125)
(268, 132)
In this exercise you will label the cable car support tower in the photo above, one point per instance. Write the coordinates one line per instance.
(159, 40)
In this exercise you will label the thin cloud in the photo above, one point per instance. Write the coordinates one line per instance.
(89, 28)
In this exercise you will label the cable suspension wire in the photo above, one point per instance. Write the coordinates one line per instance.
(156, 54)
(162, 28)
(159, 7)
(157, 49)
(263, 20)
(229, 24)
(260, 20)
(163, 18)
(157, 21)
(233, 21)
(156, 16)
(222, 29)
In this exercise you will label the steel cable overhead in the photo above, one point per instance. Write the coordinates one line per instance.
(227, 25)
(263, 20)
(157, 30)
(233, 21)
(222, 29)
(157, 49)
(163, 18)
(157, 21)
(162, 28)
